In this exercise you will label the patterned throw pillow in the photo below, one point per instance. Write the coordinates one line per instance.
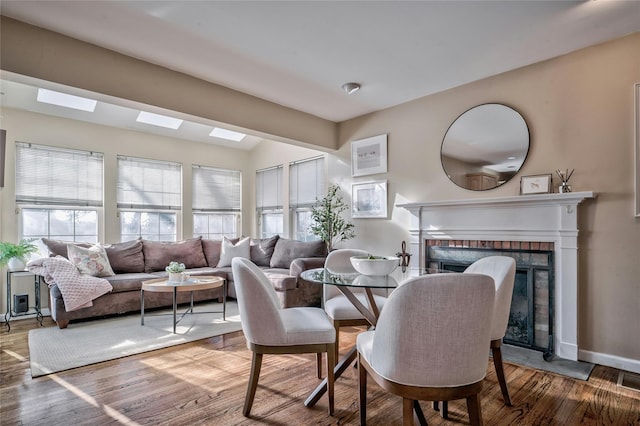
(90, 261)
(229, 251)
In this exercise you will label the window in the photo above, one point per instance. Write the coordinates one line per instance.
(306, 186)
(149, 198)
(216, 202)
(269, 202)
(59, 192)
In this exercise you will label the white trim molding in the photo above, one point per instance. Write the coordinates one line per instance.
(543, 217)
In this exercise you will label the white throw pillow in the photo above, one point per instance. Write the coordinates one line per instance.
(90, 261)
(229, 251)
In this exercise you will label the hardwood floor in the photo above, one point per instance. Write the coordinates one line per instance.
(204, 382)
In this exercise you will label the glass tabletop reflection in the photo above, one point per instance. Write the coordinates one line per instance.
(393, 280)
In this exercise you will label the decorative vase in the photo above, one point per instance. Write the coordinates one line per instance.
(16, 264)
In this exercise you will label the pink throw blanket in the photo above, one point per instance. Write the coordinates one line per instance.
(78, 290)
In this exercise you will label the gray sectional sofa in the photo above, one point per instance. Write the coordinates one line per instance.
(136, 261)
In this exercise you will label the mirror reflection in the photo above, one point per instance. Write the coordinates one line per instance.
(485, 147)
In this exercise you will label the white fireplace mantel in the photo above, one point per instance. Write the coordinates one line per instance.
(544, 218)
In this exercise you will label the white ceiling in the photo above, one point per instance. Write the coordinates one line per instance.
(299, 53)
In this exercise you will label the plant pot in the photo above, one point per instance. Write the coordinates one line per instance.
(16, 264)
(175, 277)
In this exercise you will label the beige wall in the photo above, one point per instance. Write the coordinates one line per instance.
(579, 108)
(35, 52)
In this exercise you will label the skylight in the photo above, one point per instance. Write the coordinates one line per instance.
(158, 120)
(64, 100)
(217, 132)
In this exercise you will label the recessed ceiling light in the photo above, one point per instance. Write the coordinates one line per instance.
(64, 100)
(351, 87)
(511, 158)
(217, 132)
(158, 120)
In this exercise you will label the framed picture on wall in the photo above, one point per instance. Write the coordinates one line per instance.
(535, 184)
(369, 199)
(369, 156)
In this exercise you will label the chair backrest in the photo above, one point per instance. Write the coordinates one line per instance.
(258, 304)
(503, 271)
(339, 262)
(434, 330)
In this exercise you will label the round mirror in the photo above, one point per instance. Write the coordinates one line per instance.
(485, 147)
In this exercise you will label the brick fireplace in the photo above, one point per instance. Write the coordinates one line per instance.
(504, 223)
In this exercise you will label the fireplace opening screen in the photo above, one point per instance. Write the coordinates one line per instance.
(531, 316)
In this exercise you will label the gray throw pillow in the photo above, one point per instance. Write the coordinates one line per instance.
(262, 250)
(126, 257)
(158, 254)
(288, 250)
(59, 248)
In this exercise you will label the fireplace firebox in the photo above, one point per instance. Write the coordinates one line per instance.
(531, 316)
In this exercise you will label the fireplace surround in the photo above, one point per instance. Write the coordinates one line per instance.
(544, 218)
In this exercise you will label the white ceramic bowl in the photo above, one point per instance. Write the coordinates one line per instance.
(379, 265)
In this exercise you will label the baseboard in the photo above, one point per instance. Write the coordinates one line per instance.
(614, 361)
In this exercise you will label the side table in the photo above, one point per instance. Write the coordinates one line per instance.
(31, 309)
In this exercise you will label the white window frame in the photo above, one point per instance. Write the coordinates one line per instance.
(171, 207)
(213, 206)
(303, 201)
(269, 203)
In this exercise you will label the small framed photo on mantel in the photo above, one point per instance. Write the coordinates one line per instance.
(369, 156)
(535, 184)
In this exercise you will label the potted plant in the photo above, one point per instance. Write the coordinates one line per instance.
(15, 255)
(327, 221)
(175, 271)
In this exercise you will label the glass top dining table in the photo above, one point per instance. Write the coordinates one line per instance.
(357, 280)
(351, 281)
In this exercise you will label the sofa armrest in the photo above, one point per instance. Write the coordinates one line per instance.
(302, 264)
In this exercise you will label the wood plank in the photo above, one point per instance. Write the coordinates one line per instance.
(204, 382)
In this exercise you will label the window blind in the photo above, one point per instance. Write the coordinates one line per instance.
(58, 176)
(149, 184)
(269, 188)
(306, 182)
(216, 189)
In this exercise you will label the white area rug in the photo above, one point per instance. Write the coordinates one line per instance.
(52, 349)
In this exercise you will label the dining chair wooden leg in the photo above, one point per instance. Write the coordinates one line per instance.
(496, 352)
(336, 327)
(445, 410)
(473, 406)
(319, 364)
(256, 364)
(331, 362)
(407, 412)
(362, 392)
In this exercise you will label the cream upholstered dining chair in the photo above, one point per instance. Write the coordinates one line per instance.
(338, 307)
(503, 271)
(270, 329)
(430, 342)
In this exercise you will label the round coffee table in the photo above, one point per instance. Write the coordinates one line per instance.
(162, 285)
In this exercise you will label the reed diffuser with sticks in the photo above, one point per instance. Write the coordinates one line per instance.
(564, 177)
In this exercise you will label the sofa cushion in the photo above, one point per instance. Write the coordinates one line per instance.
(282, 281)
(126, 257)
(231, 250)
(212, 250)
(90, 261)
(129, 282)
(59, 248)
(287, 250)
(158, 254)
(262, 250)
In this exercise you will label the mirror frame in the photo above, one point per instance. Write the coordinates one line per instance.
(474, 176)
